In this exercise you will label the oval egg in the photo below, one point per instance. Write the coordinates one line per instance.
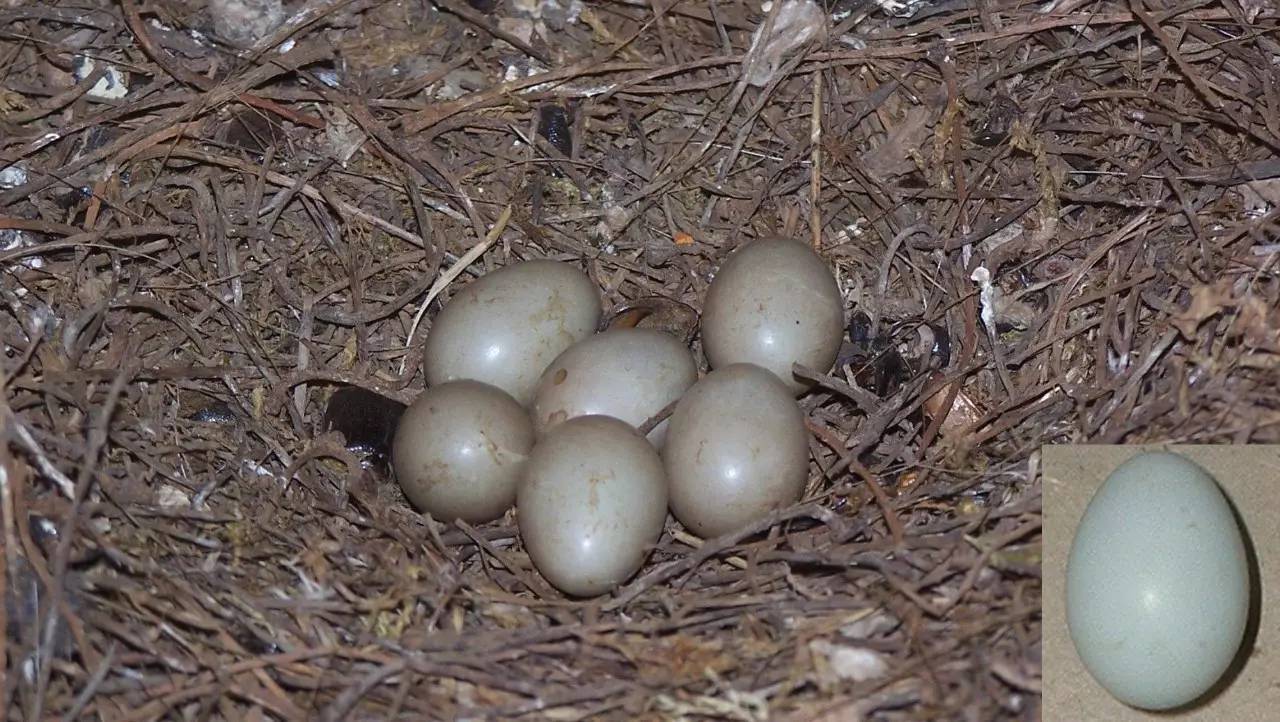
(1157, 583)
(591, 502)
(459, 449)
(628, 373)
(774, 303)
(506, 326)
(736, 448)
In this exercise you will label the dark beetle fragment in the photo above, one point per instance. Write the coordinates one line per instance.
(941, 344)
(215, 413)
(998, 121)
(860, 330)
(553, 124)
(25, 620)
(251, 131)
(44, 532)
(891, 371)
(366, 420)
(860, 351)
(877, 362)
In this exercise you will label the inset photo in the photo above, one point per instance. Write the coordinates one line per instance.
(1161, 570)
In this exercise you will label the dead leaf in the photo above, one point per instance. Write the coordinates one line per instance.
(840, 662)
(681, 660)
(1257, 323)
(958, 420)
(1261, 195)
(11, 101)
(1207, 301)
(169, 496)
(893, 156)
(796, 23)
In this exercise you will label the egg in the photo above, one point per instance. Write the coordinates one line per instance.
(1157, 583)
(459, 449)
(736, 448)
(505, 327)
(628, 373)
(774, 303)
(591, 503)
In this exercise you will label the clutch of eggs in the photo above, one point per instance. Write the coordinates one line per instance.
(526, 404)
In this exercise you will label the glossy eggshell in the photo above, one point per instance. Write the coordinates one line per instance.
(630, 374)
(736, 449)
(774, 303)
(505, 327)
(1157, 583)
(459, 450)
(592, 502)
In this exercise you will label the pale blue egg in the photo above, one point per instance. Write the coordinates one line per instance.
(1157, 583)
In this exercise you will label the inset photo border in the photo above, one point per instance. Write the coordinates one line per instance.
(1249, 476)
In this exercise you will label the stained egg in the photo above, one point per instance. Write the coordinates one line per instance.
(592, 501)
(459, 449)
(505, 327)
(628, 373)
(1157, 583)
(774, 303)
(736, 449)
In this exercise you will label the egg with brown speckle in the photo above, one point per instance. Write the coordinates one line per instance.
(628, 373)
(459, 449)
(506, 326)
(737, 448)
(591, 502)
(774, 303)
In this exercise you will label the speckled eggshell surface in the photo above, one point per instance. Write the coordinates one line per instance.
(506, 326)
(774, 303)
(737, 448)
(1157, 583)
(592, 501)
(459, 449)
(628, 373)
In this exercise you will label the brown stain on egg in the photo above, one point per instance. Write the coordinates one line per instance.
(593, 492)
(432, 474)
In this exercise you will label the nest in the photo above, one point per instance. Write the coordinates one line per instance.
(214, 216)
